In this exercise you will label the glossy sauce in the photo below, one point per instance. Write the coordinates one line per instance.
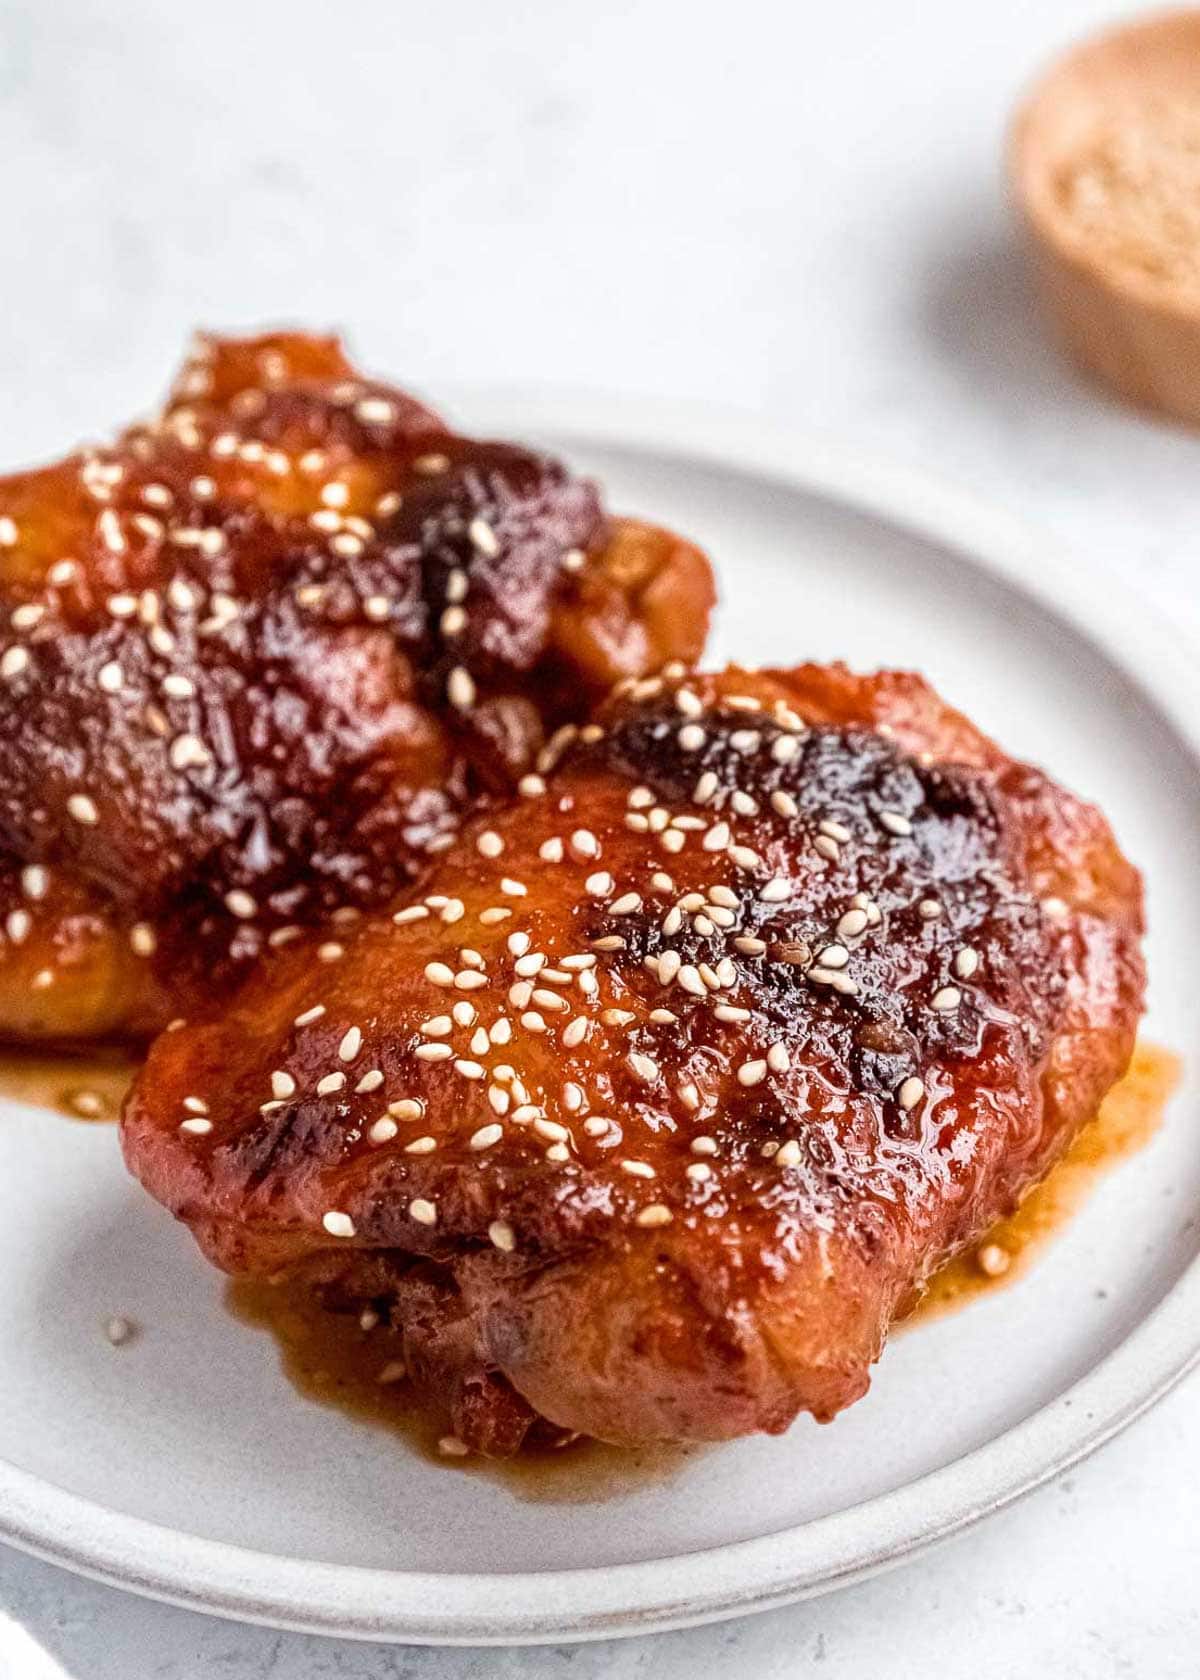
(329, 1358)
(1129, 1117)
(87, 1086)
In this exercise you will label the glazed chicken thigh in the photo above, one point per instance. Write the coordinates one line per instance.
(261, 654)
(684, 1070)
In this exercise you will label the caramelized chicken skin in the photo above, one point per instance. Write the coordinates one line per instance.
(260, 655)
(688, 1068)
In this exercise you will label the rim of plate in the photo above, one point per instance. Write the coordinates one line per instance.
(848, 1545)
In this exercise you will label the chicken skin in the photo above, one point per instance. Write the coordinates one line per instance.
(260, 656)
(684, 1071)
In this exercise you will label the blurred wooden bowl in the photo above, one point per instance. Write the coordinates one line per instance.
(1132, 322)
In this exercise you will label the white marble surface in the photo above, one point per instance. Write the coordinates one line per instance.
(789, 208)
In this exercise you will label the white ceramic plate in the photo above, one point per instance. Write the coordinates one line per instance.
(185, 1466)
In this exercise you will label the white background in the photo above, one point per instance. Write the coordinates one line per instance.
(783, 207)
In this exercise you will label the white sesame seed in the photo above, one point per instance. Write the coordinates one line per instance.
(643, 1067)
(784, 749)
(502, 1236)
(774, 891)
(241, 904)
(489, 844)
(483, 538)
(439, 974)
(993, 1259)
(638, 1169)
(309, 1016)
(852, 924)
(910, 1093)
(833, 956)
(460, 689)
(282, 1084)
(486, 1136)
(375, 411)
(424, 1212)
(827, 848)
(413, 913)
(110, 677)
(330, 1083)
(966, 962)
(188, 752)
(338, 1224)
(705, 787)
(197, 1124)
(433, 1052)
(330, 951)
(584, 845)
(655, 1214)
(35, 881)
(752, 1073)
(946, 999)
(788, 1154)
(896, 823)
(625, 905)
(83, 810)
(929, 910)
(691, 737)
(703, 1145)
(421, 1146)
(511, 888)
(689, 978)
(351, 1044)
(778, 1059)
(531, 786)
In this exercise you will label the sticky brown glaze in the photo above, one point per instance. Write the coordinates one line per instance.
(689, 1069)
(260, 654)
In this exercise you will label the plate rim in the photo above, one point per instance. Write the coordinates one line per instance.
(766, 1571)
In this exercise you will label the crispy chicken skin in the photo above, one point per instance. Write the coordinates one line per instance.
(687, 1070)
(258, 657)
